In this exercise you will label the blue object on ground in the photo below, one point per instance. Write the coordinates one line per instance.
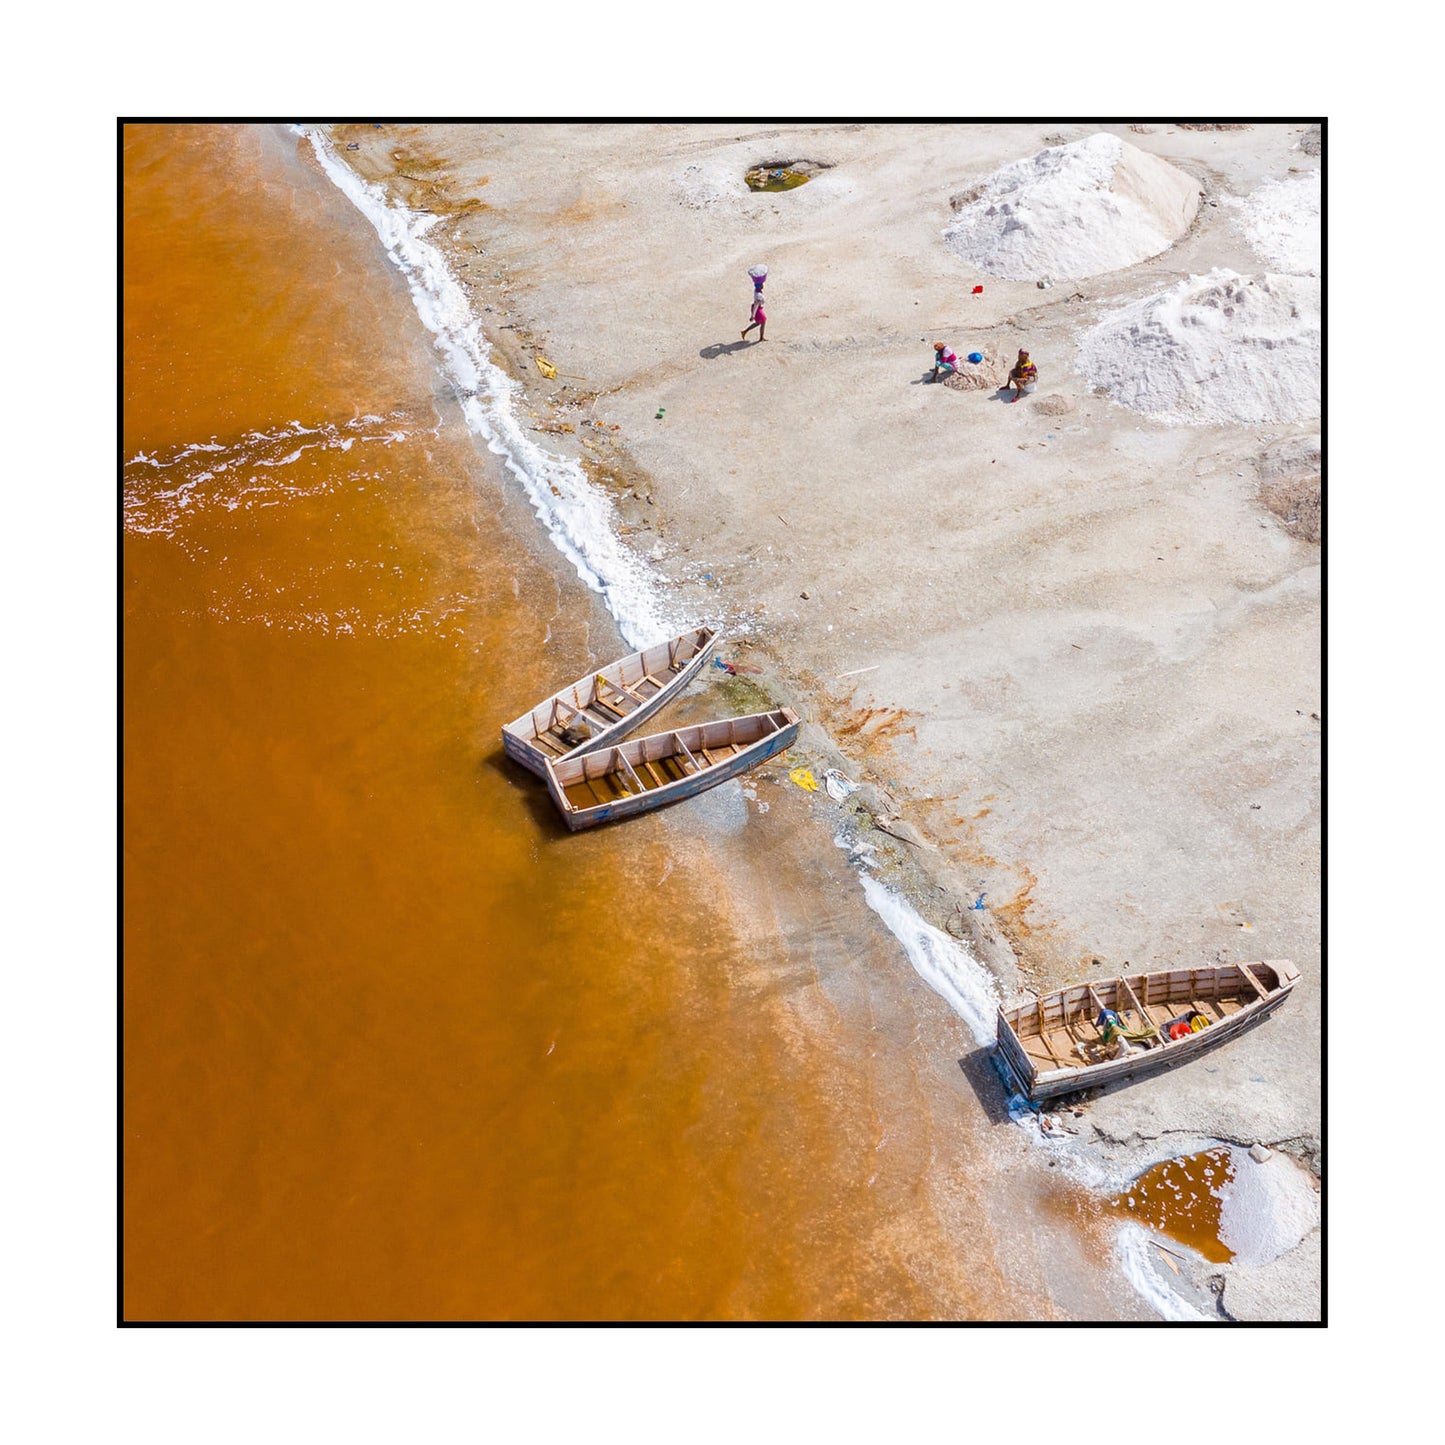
(975, 357)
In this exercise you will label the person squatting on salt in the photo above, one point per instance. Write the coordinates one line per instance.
(1024, 373)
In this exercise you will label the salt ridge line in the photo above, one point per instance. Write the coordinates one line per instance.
(952, 972)
(578, 516)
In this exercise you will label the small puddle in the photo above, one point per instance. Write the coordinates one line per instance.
(780, 180)
(781, 175)
(1181, 1198)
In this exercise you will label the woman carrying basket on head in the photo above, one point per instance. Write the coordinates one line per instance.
(759, 317)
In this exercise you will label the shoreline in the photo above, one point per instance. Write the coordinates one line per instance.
(676, 493)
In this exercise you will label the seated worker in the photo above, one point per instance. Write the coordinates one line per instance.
(1024, 373)
(944, 361)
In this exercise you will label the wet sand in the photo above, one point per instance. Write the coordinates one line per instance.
(1075, 653)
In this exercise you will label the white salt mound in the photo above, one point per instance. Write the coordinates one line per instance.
(1266, 1208)
(1215, 348)
(1282, 222)
(1072, 211)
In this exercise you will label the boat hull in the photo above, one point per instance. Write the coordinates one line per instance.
(657, 747)
(522, 738)
(1020, 1030)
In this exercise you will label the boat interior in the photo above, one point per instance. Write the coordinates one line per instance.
(642, 765)
(1063, 1030)
(614, 693)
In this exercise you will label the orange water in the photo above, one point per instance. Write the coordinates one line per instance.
(396, 1046)
(1181, 1198)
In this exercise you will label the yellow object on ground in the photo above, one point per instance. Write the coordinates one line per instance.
(804, 779)
(545, 367)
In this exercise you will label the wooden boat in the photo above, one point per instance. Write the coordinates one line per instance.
(608, 703)
(640, 774)
(1071, 1039)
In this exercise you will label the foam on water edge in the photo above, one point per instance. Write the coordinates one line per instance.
(1131, 1247)
(940, 961)
(578, 515)
(162, 489)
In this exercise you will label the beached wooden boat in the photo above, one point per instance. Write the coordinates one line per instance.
(640, 774)
(608, 703)
(1072, 1039)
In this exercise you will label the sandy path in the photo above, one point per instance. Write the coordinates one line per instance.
(1092, 653)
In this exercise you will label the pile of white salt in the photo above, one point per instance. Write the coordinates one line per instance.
(1282, 222)
(1216, 348)
(1267, 1208)
(1074, 210)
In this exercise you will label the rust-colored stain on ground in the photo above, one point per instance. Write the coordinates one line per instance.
(877, 728)
(415, 157)
(422, 180)
(874, 725)
(1013, 915)
(870, 730)
(588, 208)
